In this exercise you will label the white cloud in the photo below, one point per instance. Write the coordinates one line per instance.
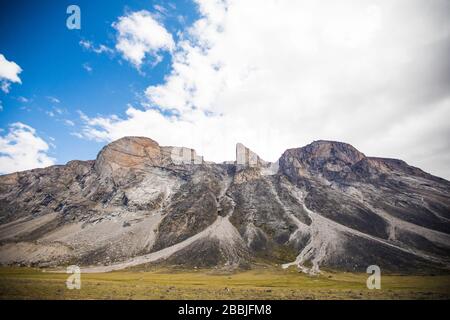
(90, 46)
(77, 134)
(69, 122)
(22, 149)
(9, 70)
(139, 35)
(23, 99)
(9, 73)
(4, 86)
(160, 9)
(53, 99)
(58, 110)
(87, 67)
(279, 74)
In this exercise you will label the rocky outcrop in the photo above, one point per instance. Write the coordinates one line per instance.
(326, 159)
(322, 205)
(128, 152)
(246, 158)
(250, 166)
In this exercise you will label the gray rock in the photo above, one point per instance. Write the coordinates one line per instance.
(323, 205)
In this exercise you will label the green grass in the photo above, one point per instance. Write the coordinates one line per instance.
(258, 283)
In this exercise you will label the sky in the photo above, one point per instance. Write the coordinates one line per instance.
(207, 74)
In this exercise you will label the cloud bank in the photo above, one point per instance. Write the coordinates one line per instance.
(280, 74)
(22, 149)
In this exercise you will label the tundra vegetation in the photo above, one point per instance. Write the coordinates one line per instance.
(261, 282)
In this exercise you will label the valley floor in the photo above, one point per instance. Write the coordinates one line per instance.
(259, 283)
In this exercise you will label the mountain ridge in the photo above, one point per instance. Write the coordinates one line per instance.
(140, 203)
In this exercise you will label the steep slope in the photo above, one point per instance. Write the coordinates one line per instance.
(378, 210)
(322, 205)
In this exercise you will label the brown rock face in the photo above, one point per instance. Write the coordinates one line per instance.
(128, 152)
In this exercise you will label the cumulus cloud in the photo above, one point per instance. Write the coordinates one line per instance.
(279, 74)
(22, 149)
(139, 35)
(9, 73)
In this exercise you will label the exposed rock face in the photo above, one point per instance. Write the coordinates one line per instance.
(249, 165)
(326, 205)
(246, 157)
(324, 158)
(129, 152)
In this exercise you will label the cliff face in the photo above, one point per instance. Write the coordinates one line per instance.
(322, 205)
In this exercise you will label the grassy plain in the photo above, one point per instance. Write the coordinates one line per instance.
(257, 283)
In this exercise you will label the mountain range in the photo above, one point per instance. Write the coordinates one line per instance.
(324, 205)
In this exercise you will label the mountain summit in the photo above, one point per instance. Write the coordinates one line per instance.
(322, 205)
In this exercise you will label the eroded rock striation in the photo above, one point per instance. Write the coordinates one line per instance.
(322, 205)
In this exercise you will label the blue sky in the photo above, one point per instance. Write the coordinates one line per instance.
(35, 36)
(207, 74)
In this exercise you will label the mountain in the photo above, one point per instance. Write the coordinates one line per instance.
(325, 205)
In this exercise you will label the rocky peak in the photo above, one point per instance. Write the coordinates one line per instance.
(128, 152)
(182, 155)
(247, 158)
(249, 166)
(328, 158)
(323, 150)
